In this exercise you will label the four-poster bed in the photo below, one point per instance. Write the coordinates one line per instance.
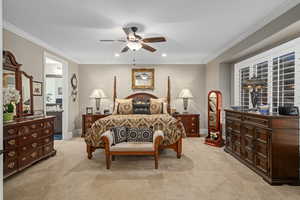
(173, 129)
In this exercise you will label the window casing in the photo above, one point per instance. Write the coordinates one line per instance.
(280, 68)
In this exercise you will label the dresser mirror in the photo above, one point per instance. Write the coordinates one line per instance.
(214, 137)
(13, 77)
(26, 97)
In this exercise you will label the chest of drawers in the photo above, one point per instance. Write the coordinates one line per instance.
(269, 144)
(26, 142)
(190, 123)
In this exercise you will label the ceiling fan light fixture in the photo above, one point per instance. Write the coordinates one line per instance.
(164, 55)
(134, 46)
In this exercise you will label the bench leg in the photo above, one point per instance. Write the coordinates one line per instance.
(179, 148)
(108, 160)
(90, 150)
(156, 160)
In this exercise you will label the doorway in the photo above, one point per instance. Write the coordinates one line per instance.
(56, 94)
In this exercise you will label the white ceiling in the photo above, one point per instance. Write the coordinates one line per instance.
(195, 29)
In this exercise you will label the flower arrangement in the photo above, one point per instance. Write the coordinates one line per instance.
(11, 97)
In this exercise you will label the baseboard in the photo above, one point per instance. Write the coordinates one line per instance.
(68, 136)
(77, 132)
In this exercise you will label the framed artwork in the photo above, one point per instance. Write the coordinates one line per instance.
(143, 78)
(89, 110)
(37, 88)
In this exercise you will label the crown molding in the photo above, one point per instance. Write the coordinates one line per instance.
(14, 29)
(270, 17)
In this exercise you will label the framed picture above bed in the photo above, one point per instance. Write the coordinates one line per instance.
(143, 78)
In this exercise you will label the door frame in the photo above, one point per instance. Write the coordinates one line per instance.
(65, 133)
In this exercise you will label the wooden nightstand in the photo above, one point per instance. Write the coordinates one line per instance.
(190, 123)
(88, 120)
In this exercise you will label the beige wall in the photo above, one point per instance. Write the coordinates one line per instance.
(31, 57)
(182, 76)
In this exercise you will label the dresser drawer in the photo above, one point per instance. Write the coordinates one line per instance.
(10, 154)
(11, 143)
(24, 130)
(46, 140)
(10, 131)
(257, 120)
(10, 165)
(47, 131)
(29, 158)
(33, 136)
(49, 124)
(28, 148)
(48, 148)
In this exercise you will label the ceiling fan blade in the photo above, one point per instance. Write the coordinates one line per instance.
(126, 30)
(147, 47)
(154, 39)
(125, 49)
(113, 40)
(106, 40)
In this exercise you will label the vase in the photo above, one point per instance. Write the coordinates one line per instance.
(8, 117)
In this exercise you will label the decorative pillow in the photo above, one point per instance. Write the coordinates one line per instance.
(140, 135)
(156, 106)
(125, 106)
(141, 108)
(119, 134)
(165, 108)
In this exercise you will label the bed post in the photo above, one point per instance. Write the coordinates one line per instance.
(169, 96)
(115, 91)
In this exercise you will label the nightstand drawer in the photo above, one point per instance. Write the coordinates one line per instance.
(190, 123)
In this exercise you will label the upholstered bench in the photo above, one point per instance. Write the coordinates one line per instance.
(131, 148)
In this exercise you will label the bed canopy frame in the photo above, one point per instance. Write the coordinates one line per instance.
(144, 95)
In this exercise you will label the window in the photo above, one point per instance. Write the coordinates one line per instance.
(279, 68)
(283, 81)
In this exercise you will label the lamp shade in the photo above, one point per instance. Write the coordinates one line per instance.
(98, 94)
(185, 93)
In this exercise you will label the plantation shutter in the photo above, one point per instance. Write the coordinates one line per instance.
(244, 93)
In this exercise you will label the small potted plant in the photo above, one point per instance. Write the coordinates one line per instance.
(214, 135)
(11, 97)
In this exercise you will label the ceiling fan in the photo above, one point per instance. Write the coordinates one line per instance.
(136, 42)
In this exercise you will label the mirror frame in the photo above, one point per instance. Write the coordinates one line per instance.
(10, 63)
(31, 94)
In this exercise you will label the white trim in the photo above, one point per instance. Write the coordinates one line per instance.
(287, 5)
(203, 131)
(12, 28)
(66, 134)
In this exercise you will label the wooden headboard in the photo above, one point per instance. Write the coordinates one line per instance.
(144, 95)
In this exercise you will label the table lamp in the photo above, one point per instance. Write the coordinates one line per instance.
(98, 94)
(185, 94)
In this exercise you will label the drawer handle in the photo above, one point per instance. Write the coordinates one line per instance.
(12, 142)
(193, 124)
(11, 153)
(24, 138)
(11, 131)
(34, 154)
(34, 145)
(24, 158)
(47, 148)
(47, 140)
(34, 135)
(24, 148)
(193, 118)
(47, 131)
(33, 126)
(11, 165)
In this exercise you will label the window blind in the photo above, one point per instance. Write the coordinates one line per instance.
(262, 74)
(244, 93)
(283, 81)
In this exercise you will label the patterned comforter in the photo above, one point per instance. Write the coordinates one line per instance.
(173, 129)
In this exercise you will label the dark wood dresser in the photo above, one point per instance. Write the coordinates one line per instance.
(267, 144)
(88, 120)
(190, 123)
(27, 141)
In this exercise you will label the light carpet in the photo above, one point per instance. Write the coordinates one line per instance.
(203, 172)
